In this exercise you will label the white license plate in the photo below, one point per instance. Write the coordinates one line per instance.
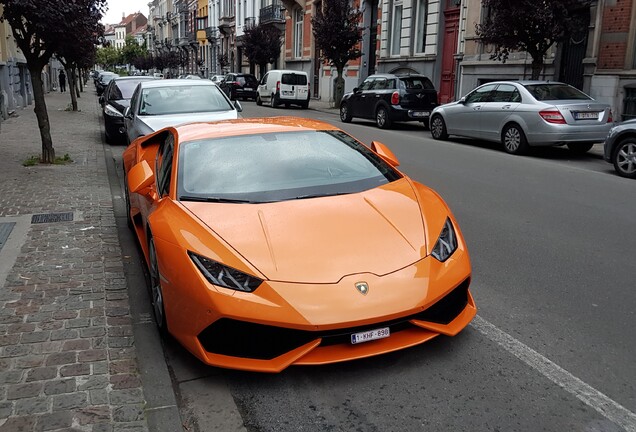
(370, 335)
(586, 115)
(248, 89)
(420, 113)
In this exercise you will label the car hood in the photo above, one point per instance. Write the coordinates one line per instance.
(161, 121)
(322, 240)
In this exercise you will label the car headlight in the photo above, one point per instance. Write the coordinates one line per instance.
(446, 243)
(112, 111)
(224, 276)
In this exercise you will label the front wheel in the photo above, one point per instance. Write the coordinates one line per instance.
(580, 148)
(438, 128)
(345, 114)
(156, 293)
(514, 140)
(273, 102)
(382, 118)
(624, 158)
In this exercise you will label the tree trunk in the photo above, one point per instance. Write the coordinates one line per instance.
(78, 79)
(72, 86)
(48, 152)
(81, 81)
(338, 86)
(537, 67)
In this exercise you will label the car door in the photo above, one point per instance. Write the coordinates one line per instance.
(464, 117)
(359, 98)
(503, 102)
(163, 177)
(378, 91)
(129, 119)
(262, 88)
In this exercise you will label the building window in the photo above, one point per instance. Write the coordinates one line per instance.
(396, 29)
(420, 34)
(629, 103)
(299, 16)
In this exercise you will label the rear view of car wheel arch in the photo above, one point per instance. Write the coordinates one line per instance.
(514, 139)
(624, 158)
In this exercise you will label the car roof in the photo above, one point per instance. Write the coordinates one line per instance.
(525, 82)
(388, 75)
(175, 83)
(288, 71)
(135, 77)
(249, 126)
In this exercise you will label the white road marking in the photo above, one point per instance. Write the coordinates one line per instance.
(587, 394)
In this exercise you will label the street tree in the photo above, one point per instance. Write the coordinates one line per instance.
(528, 25)
(39, 27)
(337, 35)
(262, 44)
(132, 50)
(108, 57)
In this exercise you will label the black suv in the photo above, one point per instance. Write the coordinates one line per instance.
(240, 86)
(387, 98)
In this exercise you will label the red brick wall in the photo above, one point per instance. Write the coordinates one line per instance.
(614, 34)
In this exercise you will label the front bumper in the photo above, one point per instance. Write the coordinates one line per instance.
(282, 324)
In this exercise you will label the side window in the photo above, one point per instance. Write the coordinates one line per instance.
(164, 165)
(482, 94)
(366, 85)
(264, 79)
(379, 84)
(506, 93)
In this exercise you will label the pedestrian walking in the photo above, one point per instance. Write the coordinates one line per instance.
(62, 78)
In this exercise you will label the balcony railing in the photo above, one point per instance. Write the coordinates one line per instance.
(250, 22)
(273, 13)
(211, 33)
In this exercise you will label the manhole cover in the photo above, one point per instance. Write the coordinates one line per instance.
(5, 230)
(52, 217)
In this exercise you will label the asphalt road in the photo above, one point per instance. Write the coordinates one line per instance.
(551, 238)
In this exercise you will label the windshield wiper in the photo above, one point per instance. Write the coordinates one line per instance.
(321, 195)
(215, 199)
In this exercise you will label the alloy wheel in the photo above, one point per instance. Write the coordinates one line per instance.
(625, 159)
(438, 128)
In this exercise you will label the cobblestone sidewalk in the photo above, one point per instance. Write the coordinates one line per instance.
(67, 356)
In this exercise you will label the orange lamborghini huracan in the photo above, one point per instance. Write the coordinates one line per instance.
(284, 241)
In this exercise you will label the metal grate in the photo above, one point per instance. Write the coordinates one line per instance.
(5, 230)
(52, 217)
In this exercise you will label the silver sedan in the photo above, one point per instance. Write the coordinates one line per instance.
(520, 114)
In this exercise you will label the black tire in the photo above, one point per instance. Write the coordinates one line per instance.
(438, 128)
(382, 118)
(304, 105)
(580, 148)
(286, 104)
(156, 293)
(273, 102)
(624, 158)
(345, 114)
(514, 140)
(259, 102)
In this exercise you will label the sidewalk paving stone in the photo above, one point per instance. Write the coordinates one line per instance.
(67, 353)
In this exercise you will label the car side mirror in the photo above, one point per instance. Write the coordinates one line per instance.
(385, 153)
(140, 177)
(127, 113)
(356, 90)
(462, 100)
(238, 106)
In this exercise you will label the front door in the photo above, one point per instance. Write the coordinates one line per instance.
(451, 33)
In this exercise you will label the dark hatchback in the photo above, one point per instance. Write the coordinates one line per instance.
(240, 86)
(114, 101)
(387, 98)
(103, 80)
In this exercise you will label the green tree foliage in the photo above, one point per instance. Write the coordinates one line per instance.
(132, 50)
(337, 36)
(40, 27)
(108, 57)
(262, 44)
(529, 25)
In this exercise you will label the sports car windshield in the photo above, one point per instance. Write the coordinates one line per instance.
(277, 167)
(182, 99)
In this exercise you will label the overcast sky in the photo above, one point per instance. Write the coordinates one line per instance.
(118, 7)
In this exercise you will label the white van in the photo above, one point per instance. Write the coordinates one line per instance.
(284, 87)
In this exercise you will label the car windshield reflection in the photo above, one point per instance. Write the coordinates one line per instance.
(182, 100)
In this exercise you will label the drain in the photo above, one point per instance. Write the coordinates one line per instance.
(52, 217)
(5, 230)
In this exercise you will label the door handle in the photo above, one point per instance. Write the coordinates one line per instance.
(477, 108)
(505, 107)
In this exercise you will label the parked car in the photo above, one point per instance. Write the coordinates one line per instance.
(255, 233)
(114, 101)
(159, 103)
(387, 98)
(102, 81)
(157, 75)
(284, 87)
(192, 77)
(525, 113)
(620, 148)
(217, 78)
(239, 86)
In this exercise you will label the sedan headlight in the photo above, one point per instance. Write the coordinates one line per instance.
(112, 111)
(446, 243)
(224, 276)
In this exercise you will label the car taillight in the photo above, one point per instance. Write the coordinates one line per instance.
(552, 116)
(277, 86)
(609, 118)
(395, 98)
